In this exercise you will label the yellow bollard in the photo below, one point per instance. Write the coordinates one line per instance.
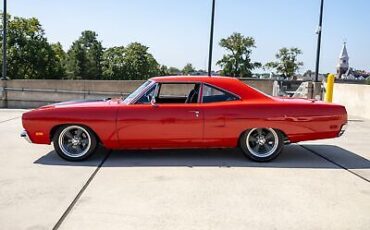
(329, 88)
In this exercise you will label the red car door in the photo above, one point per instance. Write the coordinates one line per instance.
(222, 117)
(160, 126)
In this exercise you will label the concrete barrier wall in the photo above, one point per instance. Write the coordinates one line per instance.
(2, 94)
(263, 85)
(354, 97)
(35, 93)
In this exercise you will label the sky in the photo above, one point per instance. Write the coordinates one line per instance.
(177, 31)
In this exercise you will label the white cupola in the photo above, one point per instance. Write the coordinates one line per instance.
(343, 59)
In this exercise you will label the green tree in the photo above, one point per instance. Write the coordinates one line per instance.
(308, 73)
(237, 61)
(139, 63)
(188, 68)
(168, 71)
(113, 65)
(174, 71)
(163, 70)
(85, 56)
(29, 55)
(287, 63)
(130, 63)
(60, 59)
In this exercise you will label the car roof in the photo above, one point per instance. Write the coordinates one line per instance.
(230, 84)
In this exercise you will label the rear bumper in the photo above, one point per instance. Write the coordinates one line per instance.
(24, 134)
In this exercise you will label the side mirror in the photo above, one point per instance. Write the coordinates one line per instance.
(153, 102)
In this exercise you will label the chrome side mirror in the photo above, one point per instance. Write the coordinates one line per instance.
(153, 102)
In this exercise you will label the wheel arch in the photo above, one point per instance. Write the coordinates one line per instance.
(285, 137)
(56, 127)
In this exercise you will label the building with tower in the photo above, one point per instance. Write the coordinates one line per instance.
(343, 62)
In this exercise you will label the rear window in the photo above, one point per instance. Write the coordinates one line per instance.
(211, 94)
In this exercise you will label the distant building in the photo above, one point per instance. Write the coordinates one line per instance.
(310, 76)
(353, 74)
(343, 62)
(345, 72)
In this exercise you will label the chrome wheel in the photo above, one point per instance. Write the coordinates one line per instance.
(262, 142)
(74, 141)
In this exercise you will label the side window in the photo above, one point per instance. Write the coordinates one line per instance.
(175, 90)
(211, 94)
(178, 93)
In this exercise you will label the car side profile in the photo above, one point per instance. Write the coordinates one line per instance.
(184, 112)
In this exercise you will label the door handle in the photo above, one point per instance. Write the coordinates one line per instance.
(195, 112)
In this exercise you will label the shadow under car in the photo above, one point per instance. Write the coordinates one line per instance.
(293, 156)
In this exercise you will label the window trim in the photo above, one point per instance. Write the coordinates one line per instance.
(155, 86)
(200, 96)
(158, 88)
(159, 85)
(135, 99)
(220, 89)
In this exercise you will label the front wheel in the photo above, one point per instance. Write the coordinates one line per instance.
(262, 144)
(74, 142)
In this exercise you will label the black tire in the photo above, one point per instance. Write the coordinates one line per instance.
(261, 144)
(74, 142)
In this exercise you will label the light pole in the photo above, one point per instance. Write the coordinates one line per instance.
(3, 77)
(319, 42)
(211, 39)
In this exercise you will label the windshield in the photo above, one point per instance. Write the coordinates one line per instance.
(137, 92)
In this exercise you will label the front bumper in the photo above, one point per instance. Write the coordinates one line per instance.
(342, 129)
(24, 134)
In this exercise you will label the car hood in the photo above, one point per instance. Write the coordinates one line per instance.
(83, 103)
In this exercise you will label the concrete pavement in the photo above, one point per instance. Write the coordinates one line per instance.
(322, 184)
(34, 196)
(348, 151)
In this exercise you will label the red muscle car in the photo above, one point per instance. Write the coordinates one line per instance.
(184, 112)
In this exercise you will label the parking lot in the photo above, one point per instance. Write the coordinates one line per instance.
(312, 185)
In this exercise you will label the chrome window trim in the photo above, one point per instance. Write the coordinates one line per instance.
(200, 96)
(220, 89)
(135, 99)
(200, 93)
(182, 82)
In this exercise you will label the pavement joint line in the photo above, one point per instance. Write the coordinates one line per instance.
(337, 164)
(79, 194)
(9, 119)
(355, 120)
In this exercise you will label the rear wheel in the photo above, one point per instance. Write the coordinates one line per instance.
(74, 142)
(262, 144)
